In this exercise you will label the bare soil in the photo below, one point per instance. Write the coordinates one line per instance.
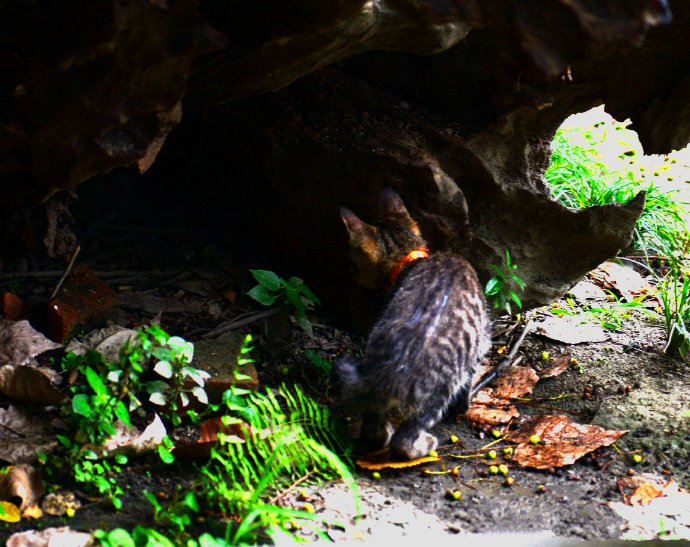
(568, 503)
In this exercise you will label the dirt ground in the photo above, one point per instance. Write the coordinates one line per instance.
(631, 385)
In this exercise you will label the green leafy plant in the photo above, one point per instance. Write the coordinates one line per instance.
(180, 380)
(674, 291)
(292, 293)
(579, 179)
(112, 390)
(499, 289)
(610, 316)
(272, 441)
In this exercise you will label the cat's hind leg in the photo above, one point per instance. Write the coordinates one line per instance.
(412, 440)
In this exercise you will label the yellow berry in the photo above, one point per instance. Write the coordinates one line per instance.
(508, 451)
(433, 453)
(545, 355)
(503, 469)
(534, 439)
(454, 439)
(491, 454)
(376, 475)
(309, 507)
(457, 495)
(493, 470)
(637, 458)
(496, 433)
(69, 512)
(509, 481)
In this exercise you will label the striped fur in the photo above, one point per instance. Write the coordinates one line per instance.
(423, 350)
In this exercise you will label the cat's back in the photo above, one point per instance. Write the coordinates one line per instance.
(436, 313)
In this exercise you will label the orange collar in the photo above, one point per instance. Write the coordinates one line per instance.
(416, 254)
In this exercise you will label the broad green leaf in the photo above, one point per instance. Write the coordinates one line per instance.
(164, 369)
(81, 406)
(122, 413)
(199, 376)
(493, 286)
(267, 279)
(303, 321)
(295, 299)
(295, 282)
(158, 398)
(262, 296)
(95, 381)
(515, 298)
(121, 459)
(165, 456)
(307, 292)
(200, 394)
(182, 348)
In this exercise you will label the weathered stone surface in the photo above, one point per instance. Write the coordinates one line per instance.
(87, 86)
(452, 102)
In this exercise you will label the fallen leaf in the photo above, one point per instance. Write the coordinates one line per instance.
(559, 366)
(571, 329)
(562, 442)
(58, 503)
(663, 508)
(50, 537)
(516, 382)
(622, 279)
(23, 483)
(131, 442)
(24, 434)
(30, 385)
(376, 466)
(487, 408)
(644, 494)
(9, 512)
(20, 342)
(106, 341)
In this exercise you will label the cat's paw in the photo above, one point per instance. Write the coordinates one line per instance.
(422, 445)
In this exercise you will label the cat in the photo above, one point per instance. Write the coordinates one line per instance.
(422, 352)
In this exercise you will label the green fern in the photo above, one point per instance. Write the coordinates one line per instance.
(287, 436)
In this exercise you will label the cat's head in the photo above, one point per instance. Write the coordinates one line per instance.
(375, 250)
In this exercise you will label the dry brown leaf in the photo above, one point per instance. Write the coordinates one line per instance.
(516, 382)
(562, 442)
(644, 494)
(24, 434)
(29, 385)
(488, 409)
(623, 279)
(559, 366)
(20, 342)
(106, 341)
(131, 441)
(376, 466)
(23, 483)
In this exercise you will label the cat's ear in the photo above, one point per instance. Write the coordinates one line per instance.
(391, 203)
(352, 222)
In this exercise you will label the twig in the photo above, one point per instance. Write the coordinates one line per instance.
(294, 485)
(241, 321)
(49, 274)
(72, 258)
(507, 361)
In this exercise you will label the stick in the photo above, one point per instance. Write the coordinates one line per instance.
(72, 258)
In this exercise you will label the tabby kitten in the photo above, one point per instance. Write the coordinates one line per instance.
(423, 350)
